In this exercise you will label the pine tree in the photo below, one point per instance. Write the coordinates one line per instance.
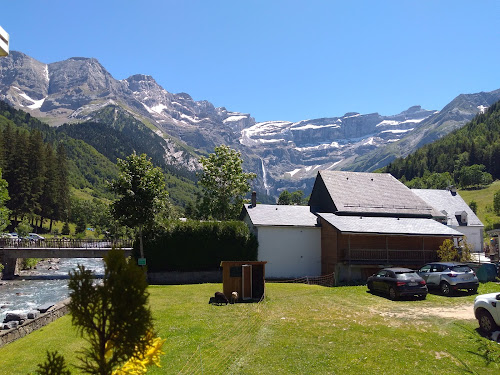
(61, 209)
(36, 171)
(48, 200)
(18, 177)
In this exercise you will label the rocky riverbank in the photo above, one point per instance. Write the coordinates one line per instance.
(37, 320)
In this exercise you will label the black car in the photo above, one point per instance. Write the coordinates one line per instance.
(398, 282)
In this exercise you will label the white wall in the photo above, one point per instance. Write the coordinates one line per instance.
(474, 236)
(290, 252)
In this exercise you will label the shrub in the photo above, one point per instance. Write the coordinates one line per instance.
(447, 252)
(65, 229)
(198, 246)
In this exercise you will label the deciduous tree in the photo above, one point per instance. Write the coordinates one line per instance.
(141, 188)
(285, 198)
(223, 183)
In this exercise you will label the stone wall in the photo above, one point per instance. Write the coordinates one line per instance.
(181, 278)
(30, 325)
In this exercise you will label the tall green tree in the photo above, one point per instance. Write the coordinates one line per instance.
(48, 199)
(142, 195)
(297, 197)
(61, 209)
(496, 202)
(36, 171)
(4, 197)
(17, 175)
(223, 183)
(113, 316)
(285, 198)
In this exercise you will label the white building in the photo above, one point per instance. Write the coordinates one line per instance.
(455, 213)
(289, 239)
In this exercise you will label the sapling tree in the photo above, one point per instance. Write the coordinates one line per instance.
(112, 316)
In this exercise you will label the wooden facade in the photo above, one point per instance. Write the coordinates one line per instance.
(372, 251)
(245, 278)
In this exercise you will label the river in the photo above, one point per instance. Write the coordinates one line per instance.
(46, 284)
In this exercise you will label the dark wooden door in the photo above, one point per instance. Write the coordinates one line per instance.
(246, 281)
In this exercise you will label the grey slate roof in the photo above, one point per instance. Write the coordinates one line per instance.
(388, 225)
(373, 193)
(445, 200)
(281, 215)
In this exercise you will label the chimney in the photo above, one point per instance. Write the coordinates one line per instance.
(254, 199)
(452, 189)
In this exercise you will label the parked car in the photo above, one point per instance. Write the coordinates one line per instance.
(35, 237)
(449, 277)
(397, 282)
(487, 311)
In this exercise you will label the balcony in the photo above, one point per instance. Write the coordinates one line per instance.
(388, 256)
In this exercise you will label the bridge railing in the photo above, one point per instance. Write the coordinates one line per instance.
(64, 243)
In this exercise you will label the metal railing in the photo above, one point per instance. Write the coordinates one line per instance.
(64, 243)
(389, 256)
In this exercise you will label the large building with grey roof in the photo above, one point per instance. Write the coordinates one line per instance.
(455, 213)
(356, 223)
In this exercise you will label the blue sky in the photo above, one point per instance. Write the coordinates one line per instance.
(277, 60)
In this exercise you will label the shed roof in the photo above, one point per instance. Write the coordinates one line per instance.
(449, 202)
(373, 193)
(389, 225)
(281, 215)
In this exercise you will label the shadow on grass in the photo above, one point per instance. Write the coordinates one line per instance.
(401, 298)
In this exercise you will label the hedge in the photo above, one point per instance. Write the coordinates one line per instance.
(198, 246)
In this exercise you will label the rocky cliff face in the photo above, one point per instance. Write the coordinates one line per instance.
(283, 154)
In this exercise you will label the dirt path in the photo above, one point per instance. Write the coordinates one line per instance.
(462, 312)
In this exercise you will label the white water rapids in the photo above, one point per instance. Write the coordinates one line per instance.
(43, 285)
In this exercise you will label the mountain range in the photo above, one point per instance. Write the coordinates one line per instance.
(283, 154)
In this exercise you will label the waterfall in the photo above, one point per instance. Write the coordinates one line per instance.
(264, 177)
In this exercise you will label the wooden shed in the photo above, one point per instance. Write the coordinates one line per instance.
(246, 278)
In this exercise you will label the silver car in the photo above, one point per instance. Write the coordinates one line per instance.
(449, 277)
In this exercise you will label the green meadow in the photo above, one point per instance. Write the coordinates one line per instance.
(297, 329)
(484, 200)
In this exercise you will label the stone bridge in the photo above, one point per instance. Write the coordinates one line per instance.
(13, 249)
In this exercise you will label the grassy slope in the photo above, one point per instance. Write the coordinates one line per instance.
(298, 329)
(484, 200)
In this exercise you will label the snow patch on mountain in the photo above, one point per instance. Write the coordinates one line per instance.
(235, 118)
(397, 131)
(36, 103)
(312, 126)
(322, 146)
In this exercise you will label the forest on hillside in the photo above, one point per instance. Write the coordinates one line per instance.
(467, 157)
(37, 176)
(92, 150)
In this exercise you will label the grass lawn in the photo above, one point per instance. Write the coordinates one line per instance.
(297, 329)
(484, 200)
